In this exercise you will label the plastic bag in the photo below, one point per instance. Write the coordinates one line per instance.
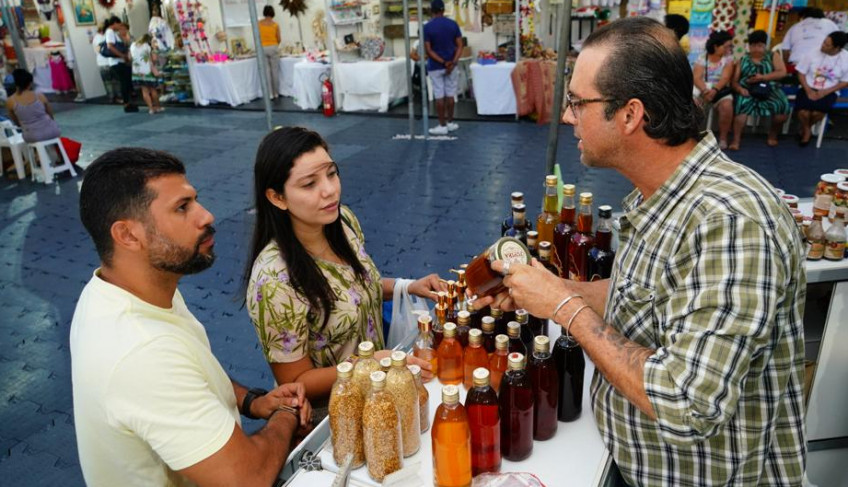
(404, 314)
(507, 479)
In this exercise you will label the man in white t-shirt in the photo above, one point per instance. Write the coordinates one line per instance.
(118, 42)
(821, 74)
(806, 36)
(104, 64)
(152, 405)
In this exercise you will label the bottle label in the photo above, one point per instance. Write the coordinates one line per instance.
(822, 203)
(834, 251)
(816, 250)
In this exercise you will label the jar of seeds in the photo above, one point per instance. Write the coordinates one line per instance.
(423, 398)
(365, 364)
(381, 430)
(346, 403)
(401, 385)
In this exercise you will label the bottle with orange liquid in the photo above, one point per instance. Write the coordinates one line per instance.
(461, 286)
(450, 357)
(451, 442)
(547, 220)
(485, 423)
(474, 356)
(581, 241)
(424, 347)
(498, 361)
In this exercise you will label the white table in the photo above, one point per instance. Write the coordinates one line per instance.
(307, 84)
(38, 62)
(370, 85)
(493, 89)
(286, 87)
(231, 82)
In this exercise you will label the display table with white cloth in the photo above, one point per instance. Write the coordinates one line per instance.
(370, 85)
(493, 88)
(307, 84)
(38, 62)
(286, 87)
(231, 82)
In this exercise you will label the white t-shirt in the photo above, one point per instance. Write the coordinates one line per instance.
(140, 54)
(95, 43)
(806, 37)
(150, 398)
(112, 38)
(822, 71)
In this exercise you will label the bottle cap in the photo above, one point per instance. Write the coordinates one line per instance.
(366, 349)
(425, 323)
(831, 178)
(517, 196)
(502, 342)
(532, 234)
(460, 276)
(450, 330)
(568, 189)
(513, 329)
(605, 211)
(450, 394)
(488, 323)
(545, 249)
(386, 363)
(541, 344)
(585, 198)
(416, 370)
(463, 318)
(516, 361)
(378, 380)
(475, 336)
(398, 359)
(480, 377)
(344, 370)
(522, 316)
(550, 180)
(519, 208)
(495, 312)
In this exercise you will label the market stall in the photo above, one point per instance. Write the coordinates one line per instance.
(231, 82)
(493, 88)
(287, 64)
(371, 85)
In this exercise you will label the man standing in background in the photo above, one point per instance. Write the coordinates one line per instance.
(443, 42)
(806, 37)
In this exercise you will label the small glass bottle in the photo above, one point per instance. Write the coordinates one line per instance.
(514, 334)
(346, 403)
(474, 356)
(516, 410)
(519, 225)
(381, 430)
(533, 243)
(527, 332)
(489, 335)
(581, 241)
(547, 220)
(451, 304)
(365, 364)
(451, 438)
(601, 255)
(566, 226)
(835, 238)
(816, 239)
(450, 357)
(498, 361)
(461, 287)
(424, 346)
(482, 280)
(543, 375)
(570, 364)
(463, 325)
(401, 385)
(481, 403)
(500, 323)
(441, 312)
(423, 398)
(545, 258)
(515, 198)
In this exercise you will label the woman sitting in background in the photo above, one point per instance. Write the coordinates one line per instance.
(30, 110)
(313, 293)
(755, 68)
(712, 73)
(822, 74)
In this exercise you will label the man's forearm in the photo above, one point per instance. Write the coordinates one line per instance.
(273, 443)
(594, 294)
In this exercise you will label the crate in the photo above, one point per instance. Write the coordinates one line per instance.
(499, 7)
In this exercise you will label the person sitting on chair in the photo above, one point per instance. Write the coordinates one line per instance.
(30, 110)
(822, 75)
(712, 73)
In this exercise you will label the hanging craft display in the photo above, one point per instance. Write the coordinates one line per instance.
(295, 8)
(192, 30)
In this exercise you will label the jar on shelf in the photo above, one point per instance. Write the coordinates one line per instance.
(840, 200)
(381, 430)
(346, 403)
(825, 192)
(790, 199)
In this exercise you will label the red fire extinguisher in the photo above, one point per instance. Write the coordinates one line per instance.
(327, 95)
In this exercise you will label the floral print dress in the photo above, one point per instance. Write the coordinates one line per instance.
(289, 329)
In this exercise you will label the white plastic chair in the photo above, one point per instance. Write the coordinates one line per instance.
(44, 165)
(10, 136)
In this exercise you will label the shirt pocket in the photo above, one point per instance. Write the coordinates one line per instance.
(633, 311)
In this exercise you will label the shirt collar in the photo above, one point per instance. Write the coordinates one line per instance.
(642, 213)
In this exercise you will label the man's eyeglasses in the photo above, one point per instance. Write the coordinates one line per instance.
(575, 103)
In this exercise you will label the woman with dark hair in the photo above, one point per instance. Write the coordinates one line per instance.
(712, 73)
(822, 75)
(312, 291)
(754, 69)
(269, 35)
(30, 110)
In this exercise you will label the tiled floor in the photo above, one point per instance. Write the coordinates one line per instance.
(426, 206)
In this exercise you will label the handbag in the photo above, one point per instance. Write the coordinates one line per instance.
(106, 52)
(761, 90)
(405, 311)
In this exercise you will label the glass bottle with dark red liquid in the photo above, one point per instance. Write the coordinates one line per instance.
(519, 223)
(515, 198)
(570, 365)
(566, 227)
(514, 333)
(545, 258)
(516, 410)
(463, 325)
(450, 357)
(601, 255)
(500, 323)
(523, 319)
(484, 420)
(581, 241)
(545, 379)
(533, 243)
(489, 335)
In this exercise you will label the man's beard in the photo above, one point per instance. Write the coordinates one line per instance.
(165, 255)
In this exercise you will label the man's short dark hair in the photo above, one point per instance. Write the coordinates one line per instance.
(757, 37)
(115, 188)
(645, 62)
(811, 13)
(678, 23)
(437, 6)
(838, 38)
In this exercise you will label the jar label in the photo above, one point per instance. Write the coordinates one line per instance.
(512, 250)
(816, 250)
(834, 251)
(823, 201)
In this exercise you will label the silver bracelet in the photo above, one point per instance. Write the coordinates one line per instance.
(570, 321)
(563, 303)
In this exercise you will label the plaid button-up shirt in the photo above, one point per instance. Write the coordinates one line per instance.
(710, 274)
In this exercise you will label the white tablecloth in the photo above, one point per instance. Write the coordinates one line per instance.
(371, 85)
(232, 82)
(493, 88)
(307, 84)
(286, 87)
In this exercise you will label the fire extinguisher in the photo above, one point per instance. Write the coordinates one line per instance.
(327, 95)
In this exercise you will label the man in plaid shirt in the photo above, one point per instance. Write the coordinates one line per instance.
(697, 337)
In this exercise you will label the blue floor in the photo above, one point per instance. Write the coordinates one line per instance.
(425, 207)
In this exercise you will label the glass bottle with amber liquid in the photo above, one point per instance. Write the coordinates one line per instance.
(547, 220)
(441, 312)
(516, 401)
(601, 255)
(488, 327)
(545, 258)
(513, 331)
(545, 379)
(519, 223)
(461, 286)
(451, 438)
(450, 357)
(481, 404)
(451, 306)
(566, 227)
(473, 356)
(463, 326)
(570, 365)
(425, 346)
(527, 332)
(517, 197)
(533, 243)
(581, 241)
(499, 361)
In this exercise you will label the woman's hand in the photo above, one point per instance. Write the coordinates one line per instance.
(424, 287)
(709, 95)
(426, 370)
(292, 395)
(744, 92)
(755, 78)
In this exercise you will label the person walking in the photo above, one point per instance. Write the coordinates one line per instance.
(269, 35)
(145, 72)
(117, 42)
(443, 43)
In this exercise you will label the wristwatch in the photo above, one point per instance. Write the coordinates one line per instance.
(248, 400)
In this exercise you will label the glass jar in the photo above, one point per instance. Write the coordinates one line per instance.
(401, 385)
(381, 430)
(825, 192)
(365, 364)
(790, 199)
(840, 199)
(346, 404)
(481, 279)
